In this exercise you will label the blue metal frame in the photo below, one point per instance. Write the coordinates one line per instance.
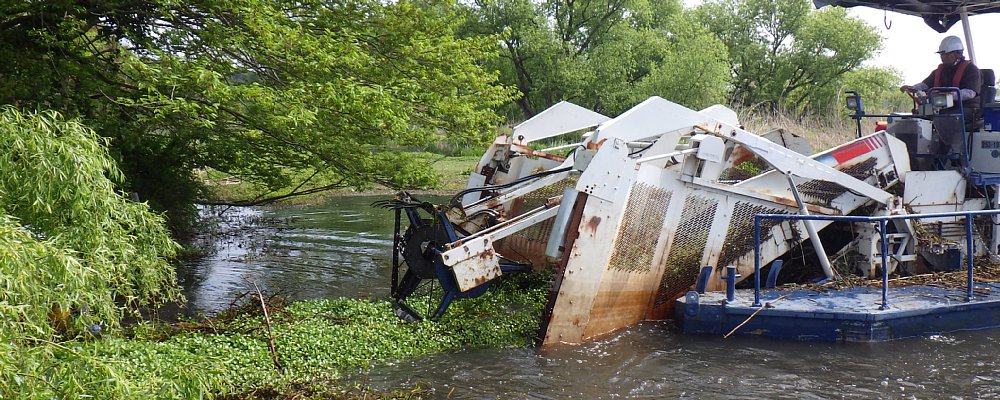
(447, 278)
(772, 274)
(444, 275)
(703, 276)
(882, 221)
(846, 314)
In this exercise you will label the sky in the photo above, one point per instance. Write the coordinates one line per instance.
(909, 45)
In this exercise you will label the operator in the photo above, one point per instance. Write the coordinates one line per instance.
(954, 71)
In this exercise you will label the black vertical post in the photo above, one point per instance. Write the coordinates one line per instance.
(395, 256)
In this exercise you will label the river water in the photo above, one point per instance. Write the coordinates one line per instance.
(342, 248)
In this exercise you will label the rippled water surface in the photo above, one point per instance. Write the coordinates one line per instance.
(650, 361)
(337, 249)
(342, 248)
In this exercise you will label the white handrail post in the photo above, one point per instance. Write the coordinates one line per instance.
(964, 12)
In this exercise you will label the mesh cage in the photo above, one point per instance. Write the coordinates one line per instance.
(823, 192)
(687, 248)
(739, 235)
(537, 198)
(640, 230)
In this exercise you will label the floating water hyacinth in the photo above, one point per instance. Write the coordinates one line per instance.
(317, 342)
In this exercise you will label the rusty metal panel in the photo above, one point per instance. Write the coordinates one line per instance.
(637, 238)
(474, 271)
(528, 245)
(632, 275)
(622, 300)
(584, 273)
(684, 259)
(474, 263)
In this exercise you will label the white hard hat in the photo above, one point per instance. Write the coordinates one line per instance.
(950, 44)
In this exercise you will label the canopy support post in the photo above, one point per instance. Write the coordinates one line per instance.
(964, 12)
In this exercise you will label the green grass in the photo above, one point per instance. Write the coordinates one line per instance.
(821, 134)
(452, 172)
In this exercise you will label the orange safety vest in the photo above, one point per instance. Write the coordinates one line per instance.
(955, 80)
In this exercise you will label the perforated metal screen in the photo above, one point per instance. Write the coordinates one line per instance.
(687, 248)
(823, 192)
(739, 236)
(637, 238)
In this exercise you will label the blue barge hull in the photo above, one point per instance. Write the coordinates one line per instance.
(852, 314)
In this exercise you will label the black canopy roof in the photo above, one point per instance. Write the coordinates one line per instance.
(938, 14)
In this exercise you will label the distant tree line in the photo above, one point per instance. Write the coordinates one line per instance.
(609, 55)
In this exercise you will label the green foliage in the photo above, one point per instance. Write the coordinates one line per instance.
(695, 73)
(450, 174)
(879, 87)
(72, 249)
(75, 255)
(259, 89)
(606, 55)
(785, 54)
(316, 340)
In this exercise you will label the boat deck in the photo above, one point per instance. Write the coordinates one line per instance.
(847, 314)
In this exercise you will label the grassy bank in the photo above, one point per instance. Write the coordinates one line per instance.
(316, 343)
(452, 171)
(822, 134)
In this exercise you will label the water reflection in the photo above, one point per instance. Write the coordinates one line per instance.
(340, 248)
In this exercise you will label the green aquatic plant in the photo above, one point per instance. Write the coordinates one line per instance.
(317, 341)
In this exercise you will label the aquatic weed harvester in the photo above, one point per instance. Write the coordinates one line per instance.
(660, 212)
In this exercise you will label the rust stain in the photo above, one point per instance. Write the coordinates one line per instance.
(595, 146)
(535, 153)
(623, 306)
(593, 223)
(741, 154)
(553, 201)
(522, 248)
(548, 313)
(811, 207)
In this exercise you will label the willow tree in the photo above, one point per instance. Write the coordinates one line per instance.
(275, 92)
(75, 253)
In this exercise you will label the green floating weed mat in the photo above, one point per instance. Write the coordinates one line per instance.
(316, 342)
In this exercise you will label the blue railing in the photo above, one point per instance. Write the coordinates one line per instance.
(882, 221)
